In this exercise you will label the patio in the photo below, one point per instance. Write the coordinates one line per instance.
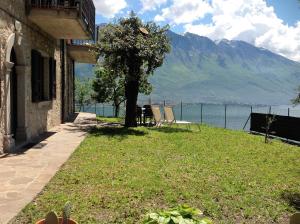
(23, 175)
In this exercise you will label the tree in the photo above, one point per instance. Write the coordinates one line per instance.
(296, 100)
(82, 92)
(108, 86)
(136, 49)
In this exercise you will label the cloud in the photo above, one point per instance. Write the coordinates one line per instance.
(184, 11)
(148, 5)
(252, 21)
(109, 8)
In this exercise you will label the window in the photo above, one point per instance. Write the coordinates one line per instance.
(43, 77)
(37, 74)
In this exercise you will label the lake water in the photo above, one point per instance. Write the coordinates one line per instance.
(212, 114)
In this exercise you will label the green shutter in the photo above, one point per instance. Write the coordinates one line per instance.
(52, 78)
(34, 75)
(41, 79)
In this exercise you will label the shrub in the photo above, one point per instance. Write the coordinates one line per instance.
(182, 214)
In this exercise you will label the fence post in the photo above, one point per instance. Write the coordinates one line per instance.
(201, 112)
(181, 110)
(103, 109)
(164, 110)
(288, 111)
(96, 109)
(225, 116)
(251, 110)
(270, 110)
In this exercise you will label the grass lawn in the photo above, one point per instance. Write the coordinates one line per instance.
(117, 175)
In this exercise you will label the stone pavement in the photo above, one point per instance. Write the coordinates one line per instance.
(23, 175)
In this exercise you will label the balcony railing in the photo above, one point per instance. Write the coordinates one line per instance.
(85, 8)
(83, 42)
(82, 51)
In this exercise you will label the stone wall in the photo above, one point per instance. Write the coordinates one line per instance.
(33, 118)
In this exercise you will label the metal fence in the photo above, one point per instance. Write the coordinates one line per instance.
(285, 127)
(220, 115)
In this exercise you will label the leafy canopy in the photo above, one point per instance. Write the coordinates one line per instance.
(133, 47)
(82, 91)
(296, 100)
(108, 86)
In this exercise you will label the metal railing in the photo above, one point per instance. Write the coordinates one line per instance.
(230, 116)
(83, 42)
(85, 8)
(87, 42)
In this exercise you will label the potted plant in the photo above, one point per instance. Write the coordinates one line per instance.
(52, 217)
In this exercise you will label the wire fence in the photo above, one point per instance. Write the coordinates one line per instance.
(220, 115)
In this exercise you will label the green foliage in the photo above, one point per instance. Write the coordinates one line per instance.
(83, 91)
(67, 212)
(296, 100)
(182, 214)
(269, 121)
(125, 46)
(108, 86)
(52, 217)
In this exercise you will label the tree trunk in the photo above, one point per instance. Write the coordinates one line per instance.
(131, 93)
(117, 109)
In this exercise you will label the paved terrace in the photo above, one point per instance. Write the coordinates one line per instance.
(23, 175)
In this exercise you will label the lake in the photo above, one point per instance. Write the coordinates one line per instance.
(212, 114)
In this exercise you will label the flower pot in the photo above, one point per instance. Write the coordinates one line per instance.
(70, 221)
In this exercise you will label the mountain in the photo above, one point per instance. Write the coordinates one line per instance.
(200, 70)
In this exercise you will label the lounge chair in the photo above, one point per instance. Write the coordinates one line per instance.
(147, 113)
(156, 115)
(170, 118)
(169, 115)
(295, 219)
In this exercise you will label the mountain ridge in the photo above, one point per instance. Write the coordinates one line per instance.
(199, 69)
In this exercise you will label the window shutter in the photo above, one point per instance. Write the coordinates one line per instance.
(34, 75)
(52, 78)
(37, 76)
(41, 78)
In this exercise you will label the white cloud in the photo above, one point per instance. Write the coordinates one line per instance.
(184, 11)
(248, 20)
(152, 4)
(109, 8)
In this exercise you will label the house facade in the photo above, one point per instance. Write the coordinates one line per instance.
(37, 57)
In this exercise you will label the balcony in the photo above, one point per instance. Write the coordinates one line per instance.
(64, 19)
(82, 51)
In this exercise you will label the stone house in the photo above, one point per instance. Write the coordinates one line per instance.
(37, 56)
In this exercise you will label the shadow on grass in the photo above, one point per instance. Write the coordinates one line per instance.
(116, 132)
(171, 129)
(293, 198)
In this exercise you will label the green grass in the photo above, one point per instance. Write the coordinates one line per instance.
(117, 175)
(110, 119)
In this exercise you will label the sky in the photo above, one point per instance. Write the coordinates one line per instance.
(271, 24)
